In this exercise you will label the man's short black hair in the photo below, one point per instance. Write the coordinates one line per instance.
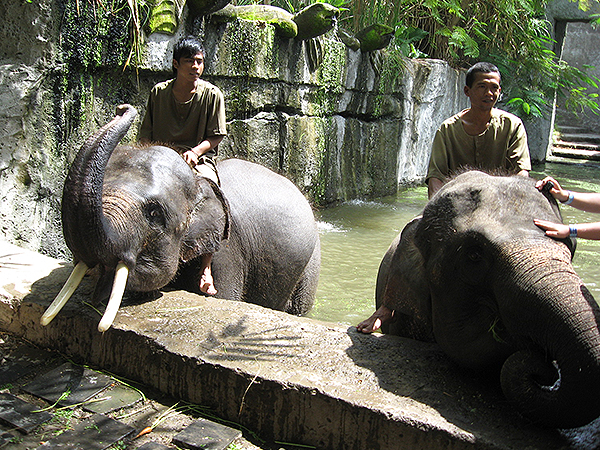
(480, 67)
(187, 47)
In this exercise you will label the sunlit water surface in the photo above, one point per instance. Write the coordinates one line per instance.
(356, 235)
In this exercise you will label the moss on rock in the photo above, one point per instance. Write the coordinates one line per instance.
(375, 37)
(272, 15)
(164, 17)
(315, 20)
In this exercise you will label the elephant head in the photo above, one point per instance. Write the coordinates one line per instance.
(477, 276)
(135, 213)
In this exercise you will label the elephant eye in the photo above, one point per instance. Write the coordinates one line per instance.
(155, 214)
(474, 254)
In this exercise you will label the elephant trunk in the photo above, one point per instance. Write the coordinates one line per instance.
(84, 226)
(554, 319)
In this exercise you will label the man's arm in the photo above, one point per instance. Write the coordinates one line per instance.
(191, 156)
(433, 185)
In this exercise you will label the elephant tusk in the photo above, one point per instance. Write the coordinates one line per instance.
(65, 293)
(116, 296)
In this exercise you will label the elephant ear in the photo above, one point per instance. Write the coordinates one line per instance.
(208, 221)
(402, 286)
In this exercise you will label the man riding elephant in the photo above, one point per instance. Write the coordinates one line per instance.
(188, 114)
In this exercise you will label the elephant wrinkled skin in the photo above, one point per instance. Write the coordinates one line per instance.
(142, 216)
(475, 275)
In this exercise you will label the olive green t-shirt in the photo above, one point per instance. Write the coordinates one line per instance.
(503, 145)
(184, 125)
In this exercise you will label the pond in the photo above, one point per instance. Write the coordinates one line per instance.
(356, 235)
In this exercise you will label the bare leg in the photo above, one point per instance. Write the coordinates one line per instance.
(206, 280)
(379, 317)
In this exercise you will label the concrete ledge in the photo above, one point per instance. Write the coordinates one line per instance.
(287, 378)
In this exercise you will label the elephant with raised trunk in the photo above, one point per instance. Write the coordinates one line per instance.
(143, 216)
(477, 276)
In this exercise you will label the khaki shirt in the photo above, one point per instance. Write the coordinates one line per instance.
(184, 125)
(502, 146)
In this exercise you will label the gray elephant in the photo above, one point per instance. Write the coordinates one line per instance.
(475, 275)
(142, 216)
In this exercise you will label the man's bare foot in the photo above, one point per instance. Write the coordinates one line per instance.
(207, 284)
(379, 317)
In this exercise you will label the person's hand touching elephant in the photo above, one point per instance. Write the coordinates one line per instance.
(589, 202)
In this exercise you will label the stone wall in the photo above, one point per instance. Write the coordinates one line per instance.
(359, 126)
(577, 43)
(581, 49)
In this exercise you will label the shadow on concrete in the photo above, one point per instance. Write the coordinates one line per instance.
(421, 371)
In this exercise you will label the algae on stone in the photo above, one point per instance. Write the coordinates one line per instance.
(246, 50)
(165, 16)
(315, 20)
(375, 37)
(272, 15)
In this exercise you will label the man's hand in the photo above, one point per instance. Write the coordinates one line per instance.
(191, 158)
(433, 185)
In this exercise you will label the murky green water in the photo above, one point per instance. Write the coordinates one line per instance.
(355, 236)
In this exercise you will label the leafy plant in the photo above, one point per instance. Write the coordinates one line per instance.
(513, 34)
(406, 37)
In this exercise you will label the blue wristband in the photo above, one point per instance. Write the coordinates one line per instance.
(569, 200)
(572, 231)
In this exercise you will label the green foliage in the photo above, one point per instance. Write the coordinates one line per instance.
(96, 33)
(513, 34)
(406, 38)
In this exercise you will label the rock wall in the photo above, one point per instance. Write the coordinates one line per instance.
(581, 48)
(358, 126)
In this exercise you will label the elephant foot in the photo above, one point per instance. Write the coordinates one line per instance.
(373, 323)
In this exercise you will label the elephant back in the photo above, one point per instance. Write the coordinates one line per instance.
(272, 231)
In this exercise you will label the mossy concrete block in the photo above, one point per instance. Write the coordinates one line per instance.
(245, 49)
(256, 139)
(358, 165)
(243, 97)
(304, 142)
(249, 49)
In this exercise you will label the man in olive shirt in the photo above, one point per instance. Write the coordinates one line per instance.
(478, 137)
(481, 136)
(188, 114)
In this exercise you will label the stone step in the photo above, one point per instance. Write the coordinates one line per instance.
(592, 138)
(571, 129)
(96, 433)
(21, 415)
(577, 146)
(30, 413)
(576, 153)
